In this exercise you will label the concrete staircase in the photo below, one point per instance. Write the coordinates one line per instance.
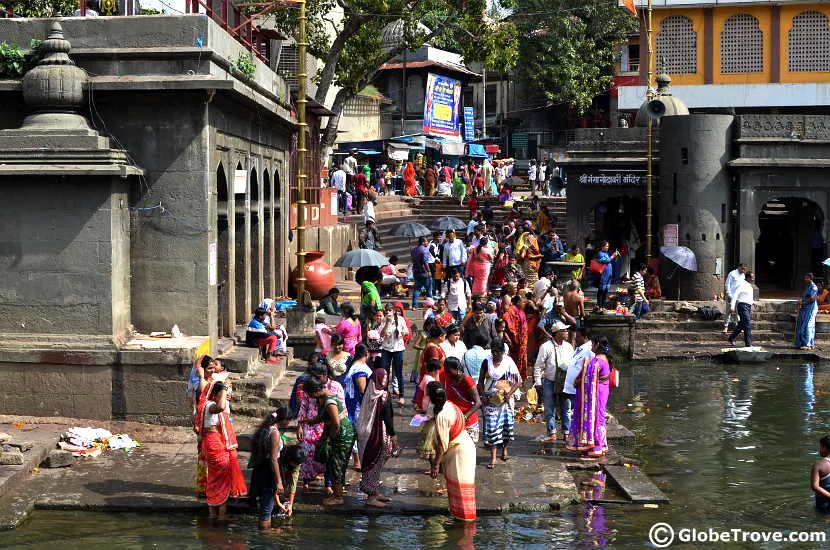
(664, 333)
(254, 381)
(392, 210)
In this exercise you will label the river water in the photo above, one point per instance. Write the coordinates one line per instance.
(731, 446)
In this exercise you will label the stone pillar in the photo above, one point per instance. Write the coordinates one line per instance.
(694, 151)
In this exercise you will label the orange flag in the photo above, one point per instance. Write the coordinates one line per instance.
(632, 7)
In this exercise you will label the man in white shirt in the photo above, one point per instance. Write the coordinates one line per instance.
(454, 346)
(454, 255)
(742, 302)
(549, 372)
(540, 287)
(338, 181)
(730, 285)
(531, 173)
(457, 293)
(584, 350)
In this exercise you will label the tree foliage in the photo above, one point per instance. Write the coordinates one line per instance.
(44, 8)
(568, 47)
(352, 51)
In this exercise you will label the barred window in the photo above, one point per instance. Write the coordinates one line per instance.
(809, 43)
(677, 46)
(741, 45)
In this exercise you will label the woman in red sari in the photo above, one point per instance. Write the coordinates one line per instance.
(443, 317)
(432, 350)
(224, 475)
(516, 327)
(205, 373)
(409, 188)
(463, 392)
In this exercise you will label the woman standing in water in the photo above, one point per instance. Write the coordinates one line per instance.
(455, 454)
(224, 476)
(587, 435)
(336, 445)
(805, 336)
(266, 478)
(376, 436)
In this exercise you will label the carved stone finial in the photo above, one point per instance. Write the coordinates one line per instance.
(55, 84)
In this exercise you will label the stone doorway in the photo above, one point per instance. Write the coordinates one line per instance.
(790, 242)
(621, 221)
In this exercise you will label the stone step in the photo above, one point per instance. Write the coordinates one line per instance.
(19, 341)
(649, 324)
(687, 337)
(241, 359)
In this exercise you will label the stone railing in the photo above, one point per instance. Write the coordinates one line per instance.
(607, 135)
(784, 126)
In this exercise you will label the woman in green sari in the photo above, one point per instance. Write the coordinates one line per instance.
(459, 189)
(335, 446)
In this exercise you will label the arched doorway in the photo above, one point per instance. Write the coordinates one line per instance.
(620, 221)
(223, 320)
(790, 242)
(240, 260)
(267, 209)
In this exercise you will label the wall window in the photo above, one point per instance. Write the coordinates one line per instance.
(809, 43)
(741, 45)
(677, 46)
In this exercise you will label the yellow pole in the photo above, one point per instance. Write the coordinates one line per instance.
(650, 136)
(301, 148)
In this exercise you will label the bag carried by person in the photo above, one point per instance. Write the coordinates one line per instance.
(614, 378)
(596, 267)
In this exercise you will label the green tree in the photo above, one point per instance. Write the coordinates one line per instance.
(352, 51)
(568, 47)
(44, 8)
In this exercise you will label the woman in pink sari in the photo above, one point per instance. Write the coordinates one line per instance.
(349, 328)
(478, 267)
(308, 435)
(588, 435)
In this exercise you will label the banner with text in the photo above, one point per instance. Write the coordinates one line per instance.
(441, 104)
(469, 124)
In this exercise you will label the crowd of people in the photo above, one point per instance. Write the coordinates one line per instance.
(470, 181)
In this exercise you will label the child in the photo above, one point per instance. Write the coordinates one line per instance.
(432, 367)
(500, 326)
(322, 336)
(266, 478)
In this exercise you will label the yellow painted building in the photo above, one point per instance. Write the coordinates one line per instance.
(755, 48)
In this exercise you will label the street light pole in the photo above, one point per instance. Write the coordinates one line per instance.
(650, 135)
(301, 147)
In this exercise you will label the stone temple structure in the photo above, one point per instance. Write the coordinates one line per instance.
(141, 176)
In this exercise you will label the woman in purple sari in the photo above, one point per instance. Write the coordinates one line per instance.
(587, 435)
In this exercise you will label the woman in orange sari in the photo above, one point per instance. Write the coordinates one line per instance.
(409, 180)
(224, 475)
(529, 255)
(455, 454)
(515, 322)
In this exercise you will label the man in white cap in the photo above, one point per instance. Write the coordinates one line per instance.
(555, 356)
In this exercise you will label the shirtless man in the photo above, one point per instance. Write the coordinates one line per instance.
(575, 302)
(820, 476)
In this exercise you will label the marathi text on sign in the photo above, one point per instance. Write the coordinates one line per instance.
(611, 179)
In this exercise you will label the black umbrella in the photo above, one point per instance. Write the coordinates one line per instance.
(445, 223)
(361, 257)
(411, 230)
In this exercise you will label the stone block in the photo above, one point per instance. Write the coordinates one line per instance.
(22, 446)
(58, 459)
(12, 457)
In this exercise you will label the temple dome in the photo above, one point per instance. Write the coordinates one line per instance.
(673, 105)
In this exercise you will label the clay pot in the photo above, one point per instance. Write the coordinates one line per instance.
(319, 275)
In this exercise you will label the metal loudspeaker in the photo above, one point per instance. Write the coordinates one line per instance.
(655, 109)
